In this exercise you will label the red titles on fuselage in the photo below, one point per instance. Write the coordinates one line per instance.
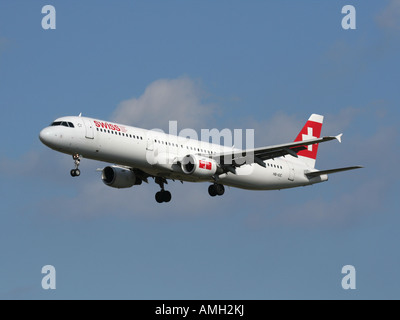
(106, 125)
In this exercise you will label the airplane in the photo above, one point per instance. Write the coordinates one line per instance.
(137, 154)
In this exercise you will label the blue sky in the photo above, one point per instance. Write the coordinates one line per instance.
(265, 65)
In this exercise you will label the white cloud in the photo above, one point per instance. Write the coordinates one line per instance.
(389, 17)
(179, 99)
(282, 127)
(41, 163)
(335, 123)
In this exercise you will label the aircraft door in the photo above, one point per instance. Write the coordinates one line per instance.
(291, 171)
(150, 144)
(151, 150)
(89, 130)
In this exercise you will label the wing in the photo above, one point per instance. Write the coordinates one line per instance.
(237, 158)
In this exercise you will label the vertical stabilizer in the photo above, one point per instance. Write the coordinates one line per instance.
(311, 130)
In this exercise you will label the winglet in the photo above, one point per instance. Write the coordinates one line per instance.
(339, 137)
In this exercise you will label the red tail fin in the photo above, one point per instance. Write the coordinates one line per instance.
(311, 130)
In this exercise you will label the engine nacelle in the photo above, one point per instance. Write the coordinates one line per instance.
(199, 166)
(118, 177)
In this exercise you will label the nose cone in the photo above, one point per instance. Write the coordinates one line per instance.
(47, 136)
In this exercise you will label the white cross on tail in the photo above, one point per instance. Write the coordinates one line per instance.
(309, 136)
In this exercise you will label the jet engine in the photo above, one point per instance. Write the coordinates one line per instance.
(199, 166)
(119, 177)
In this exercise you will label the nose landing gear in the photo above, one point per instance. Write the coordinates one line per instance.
(76, 172)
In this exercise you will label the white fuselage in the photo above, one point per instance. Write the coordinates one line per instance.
(155, 153)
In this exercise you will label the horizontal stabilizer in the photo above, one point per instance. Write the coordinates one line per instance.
(318, 173)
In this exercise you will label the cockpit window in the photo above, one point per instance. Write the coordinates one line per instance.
(63, 123)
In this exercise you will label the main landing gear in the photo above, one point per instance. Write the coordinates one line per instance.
(76, 172)
(162, 195)
(216, 189)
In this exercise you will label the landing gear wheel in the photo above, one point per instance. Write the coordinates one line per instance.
(220, 189)
(75, 172)
(216, 190)
(159, 197)
(166, 196)
(212, 190)
(163, 196)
